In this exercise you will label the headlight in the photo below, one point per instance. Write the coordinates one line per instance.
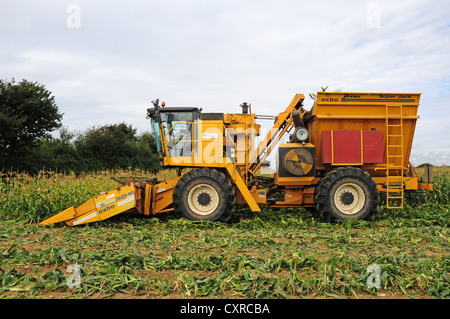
(301, 134)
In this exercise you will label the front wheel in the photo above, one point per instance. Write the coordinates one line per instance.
(204, 194)
(347, 193)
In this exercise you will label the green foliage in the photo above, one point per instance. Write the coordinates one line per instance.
(108, 147)
(286, 253)
(59, 154)
(312, 96)
(116, 147)
(28, 112)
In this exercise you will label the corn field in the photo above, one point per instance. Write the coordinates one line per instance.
(287, 253)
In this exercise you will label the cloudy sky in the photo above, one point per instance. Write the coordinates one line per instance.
(104, 61)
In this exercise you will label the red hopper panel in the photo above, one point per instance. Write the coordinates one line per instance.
(347, 147)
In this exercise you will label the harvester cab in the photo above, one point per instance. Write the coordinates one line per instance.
(177, 123)
(340, 155)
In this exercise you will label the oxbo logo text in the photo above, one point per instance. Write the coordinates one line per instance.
(106, 209)
(329, 99)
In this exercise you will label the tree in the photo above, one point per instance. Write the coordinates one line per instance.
(145, 155)
(107, 147)
(28, 112)
(115, 146)
(59, 153)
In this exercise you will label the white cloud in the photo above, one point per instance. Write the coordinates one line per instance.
(216, 54)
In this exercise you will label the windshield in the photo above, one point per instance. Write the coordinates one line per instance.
(179, 127)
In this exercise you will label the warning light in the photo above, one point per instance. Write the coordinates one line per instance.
(163, 103)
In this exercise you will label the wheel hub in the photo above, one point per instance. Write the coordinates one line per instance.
(347, 198)
(204, 199)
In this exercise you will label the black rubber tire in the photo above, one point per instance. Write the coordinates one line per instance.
(211, 178)
(328, 201)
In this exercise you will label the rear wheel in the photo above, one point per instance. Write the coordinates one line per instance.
(204, 194)
(347, 193)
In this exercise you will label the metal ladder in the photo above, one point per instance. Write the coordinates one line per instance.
(394, 156)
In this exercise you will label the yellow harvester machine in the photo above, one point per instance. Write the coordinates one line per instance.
(340, 155)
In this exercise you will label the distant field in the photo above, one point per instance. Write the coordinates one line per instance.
(438, 170)
(289, 253)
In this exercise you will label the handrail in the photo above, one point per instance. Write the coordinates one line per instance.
(165, 141)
